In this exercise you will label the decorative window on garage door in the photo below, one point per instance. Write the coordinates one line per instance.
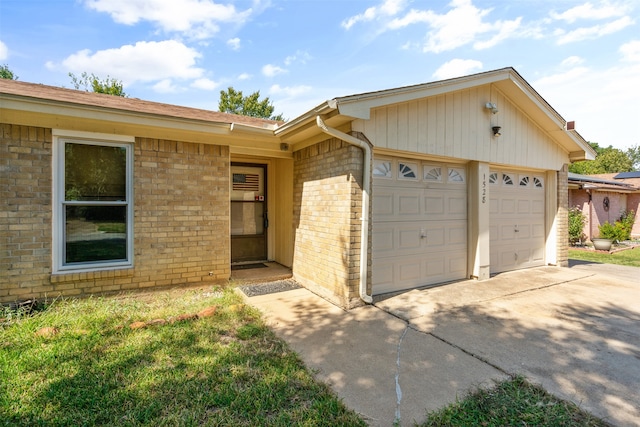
(456, 175)
(432, 173)
(382, 169)
(407, 171)
(538, 182)
(507, 179)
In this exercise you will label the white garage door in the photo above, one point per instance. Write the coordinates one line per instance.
(516, 220)
(419, 224)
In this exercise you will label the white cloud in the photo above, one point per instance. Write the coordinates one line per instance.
(462, 24)
(271, 70)
(205, 84)
(589, 11)
(244, 76)
(386, 9)
(234, 43)
(572, 61)
(631, 51)
(144, 61)
(604, 102)
(4, 51)
(457, 68)
(198, 19)
(300, 56)
(289, 91)
(165, 86)
(593, 32)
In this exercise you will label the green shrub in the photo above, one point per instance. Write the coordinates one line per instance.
(624, 224)
(621, 229)
(576, 224)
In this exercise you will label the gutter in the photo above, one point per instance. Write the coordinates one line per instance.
(366, 189)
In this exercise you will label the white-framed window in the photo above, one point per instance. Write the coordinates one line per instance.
(456, 175)
(493, 178)
(432, 173)
(507, 179)
(524, 181)
(93, 201)
(382, 169)
(538, 182)
(408, 170)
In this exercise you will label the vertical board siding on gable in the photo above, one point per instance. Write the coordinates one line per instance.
(457, 125)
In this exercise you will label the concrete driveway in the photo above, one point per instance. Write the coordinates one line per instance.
(575, 331)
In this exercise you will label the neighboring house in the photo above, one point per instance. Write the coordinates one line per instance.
(603, 197)
(364, 194)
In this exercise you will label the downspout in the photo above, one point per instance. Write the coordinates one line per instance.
(366, 189)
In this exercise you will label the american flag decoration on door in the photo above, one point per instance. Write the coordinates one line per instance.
(246, 182)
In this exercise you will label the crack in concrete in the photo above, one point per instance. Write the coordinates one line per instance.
(524, 291)
(396, 420)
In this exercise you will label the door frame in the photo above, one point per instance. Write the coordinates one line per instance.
(265, 167)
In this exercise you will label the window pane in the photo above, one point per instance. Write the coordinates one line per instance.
(95, 172)
(247, 218)
(95, 233)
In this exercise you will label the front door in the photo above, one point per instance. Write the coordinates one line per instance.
(249, 219)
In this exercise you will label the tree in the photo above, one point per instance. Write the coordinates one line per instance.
(634, 154)
(608, 160)
(109, 86)
(6, 73)
(232, 101)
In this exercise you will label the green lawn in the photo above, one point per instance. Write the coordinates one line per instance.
(515, 402)
(630, 257)
(149, 360)
(94, 369)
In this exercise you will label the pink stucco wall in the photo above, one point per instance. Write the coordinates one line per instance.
(595, 211)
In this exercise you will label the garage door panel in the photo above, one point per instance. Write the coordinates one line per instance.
(507, 206)
(524, 206)
(537, 230)
(537, 207)
(419, 229)
(382, 239)
(408, 238)
(458, 235)
(457, 207)
(517, 229)
(494, 206)
(408, 204)
(434, 205)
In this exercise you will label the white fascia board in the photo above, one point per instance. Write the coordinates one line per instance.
(360, 106)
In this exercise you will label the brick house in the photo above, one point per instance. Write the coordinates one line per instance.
(603, 197)
(363, 194)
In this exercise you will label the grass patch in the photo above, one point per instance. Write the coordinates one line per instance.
(514, 402)
(112, 227)
(630, 257)
(94, 369)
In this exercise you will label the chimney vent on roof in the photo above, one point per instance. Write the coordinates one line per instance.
(571, 125)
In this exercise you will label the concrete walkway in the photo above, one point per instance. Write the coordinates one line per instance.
(575, 331)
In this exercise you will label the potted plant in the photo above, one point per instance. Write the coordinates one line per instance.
(607, 234)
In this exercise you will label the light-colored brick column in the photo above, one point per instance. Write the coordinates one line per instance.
(562, 234)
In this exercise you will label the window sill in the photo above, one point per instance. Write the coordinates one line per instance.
(73, 276)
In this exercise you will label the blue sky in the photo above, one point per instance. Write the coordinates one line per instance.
(582, 56)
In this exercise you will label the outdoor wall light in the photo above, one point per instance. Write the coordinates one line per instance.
(496, 131)
(491, 106)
